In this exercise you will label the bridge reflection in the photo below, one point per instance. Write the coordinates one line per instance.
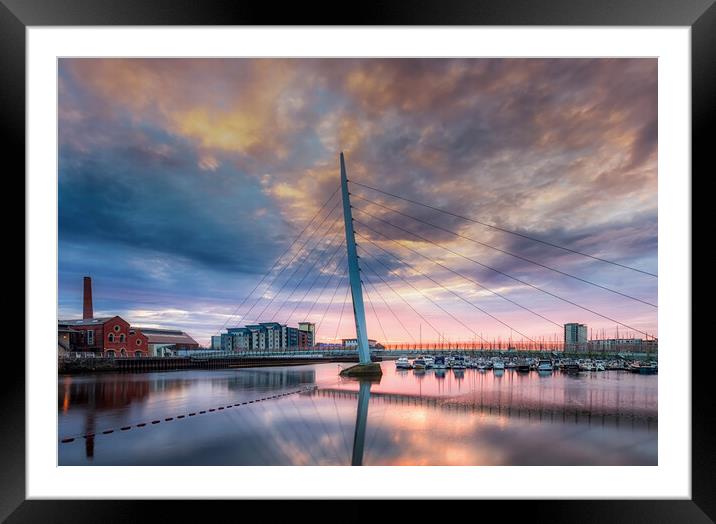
(538, 413)
(361, 419)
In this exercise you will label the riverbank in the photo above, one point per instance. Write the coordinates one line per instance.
(139, 365)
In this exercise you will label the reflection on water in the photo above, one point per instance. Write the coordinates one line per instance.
(439, 417)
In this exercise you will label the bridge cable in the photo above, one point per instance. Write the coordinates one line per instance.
(452, 271)
(506, 274)
(340, 318)
(320, 272)
(376, 290)
(328, 307)
(319, 249)
(431, 300)
(510, 253)
(322, 251)
(504, 230)
(377, 318)
(402, 298)
(278, 260)
(295, 270)
(458, 296)
(325, 286)
(289, 262)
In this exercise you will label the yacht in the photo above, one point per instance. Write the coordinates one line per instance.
(599, 365)
(510, 365)
(429, 362)
(586, 365)
(458, 362)
(439, 362)
(523, 365)
(569, 366)
(403, 363)
(644, 368)
(544, 365)
(498, 365)
(419, 363)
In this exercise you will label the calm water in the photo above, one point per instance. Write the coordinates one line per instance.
(413, 418)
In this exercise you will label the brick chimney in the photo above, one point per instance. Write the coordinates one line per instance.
(87, 299)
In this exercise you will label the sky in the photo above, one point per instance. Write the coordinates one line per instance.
(184, 183)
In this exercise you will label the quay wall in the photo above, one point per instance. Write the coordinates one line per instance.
(114, 365)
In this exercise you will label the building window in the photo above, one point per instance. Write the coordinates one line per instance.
(123, 352)
(110, 353)
(90, 337)
(137, 353)
(111, 337)
(116, 328)
(122, 337)
(139, 341)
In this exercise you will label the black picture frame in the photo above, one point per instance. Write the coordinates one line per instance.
(16, 15)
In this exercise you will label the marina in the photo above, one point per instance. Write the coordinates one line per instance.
(307, 415)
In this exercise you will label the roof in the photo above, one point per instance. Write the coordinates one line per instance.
(84, 321)
(164, 338)
(158, 331)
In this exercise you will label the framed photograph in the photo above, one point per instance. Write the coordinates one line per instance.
(436, 253)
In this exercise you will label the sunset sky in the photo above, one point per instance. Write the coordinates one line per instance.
(182, 180)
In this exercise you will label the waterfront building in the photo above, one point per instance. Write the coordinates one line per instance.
(268, 336)
(115, 337)
(309, 337)
(623, 345)
(105, 336)
(292, 337)
(216, 342)
(165, 342)
(63, 341)
(352, 343)
(575, 337)
(240, 339)
(227, 341)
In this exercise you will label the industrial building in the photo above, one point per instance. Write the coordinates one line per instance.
(105, 336)
(114, 336)
(166, 342)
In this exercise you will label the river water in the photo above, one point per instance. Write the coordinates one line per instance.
(308, 415)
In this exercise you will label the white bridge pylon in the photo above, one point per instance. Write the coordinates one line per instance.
(354, 271)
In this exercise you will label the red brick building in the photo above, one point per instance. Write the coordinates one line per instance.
(106, 336)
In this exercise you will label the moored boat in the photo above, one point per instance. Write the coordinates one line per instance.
(458, 362)
(419, 363)
(544, 365)
(523, 365)
(439, 362)
(586, 365)
(402, 363)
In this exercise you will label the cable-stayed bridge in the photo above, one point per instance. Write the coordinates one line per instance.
(401, 277)
(372, 264)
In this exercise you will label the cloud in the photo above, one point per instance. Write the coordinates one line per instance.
(207, 168)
